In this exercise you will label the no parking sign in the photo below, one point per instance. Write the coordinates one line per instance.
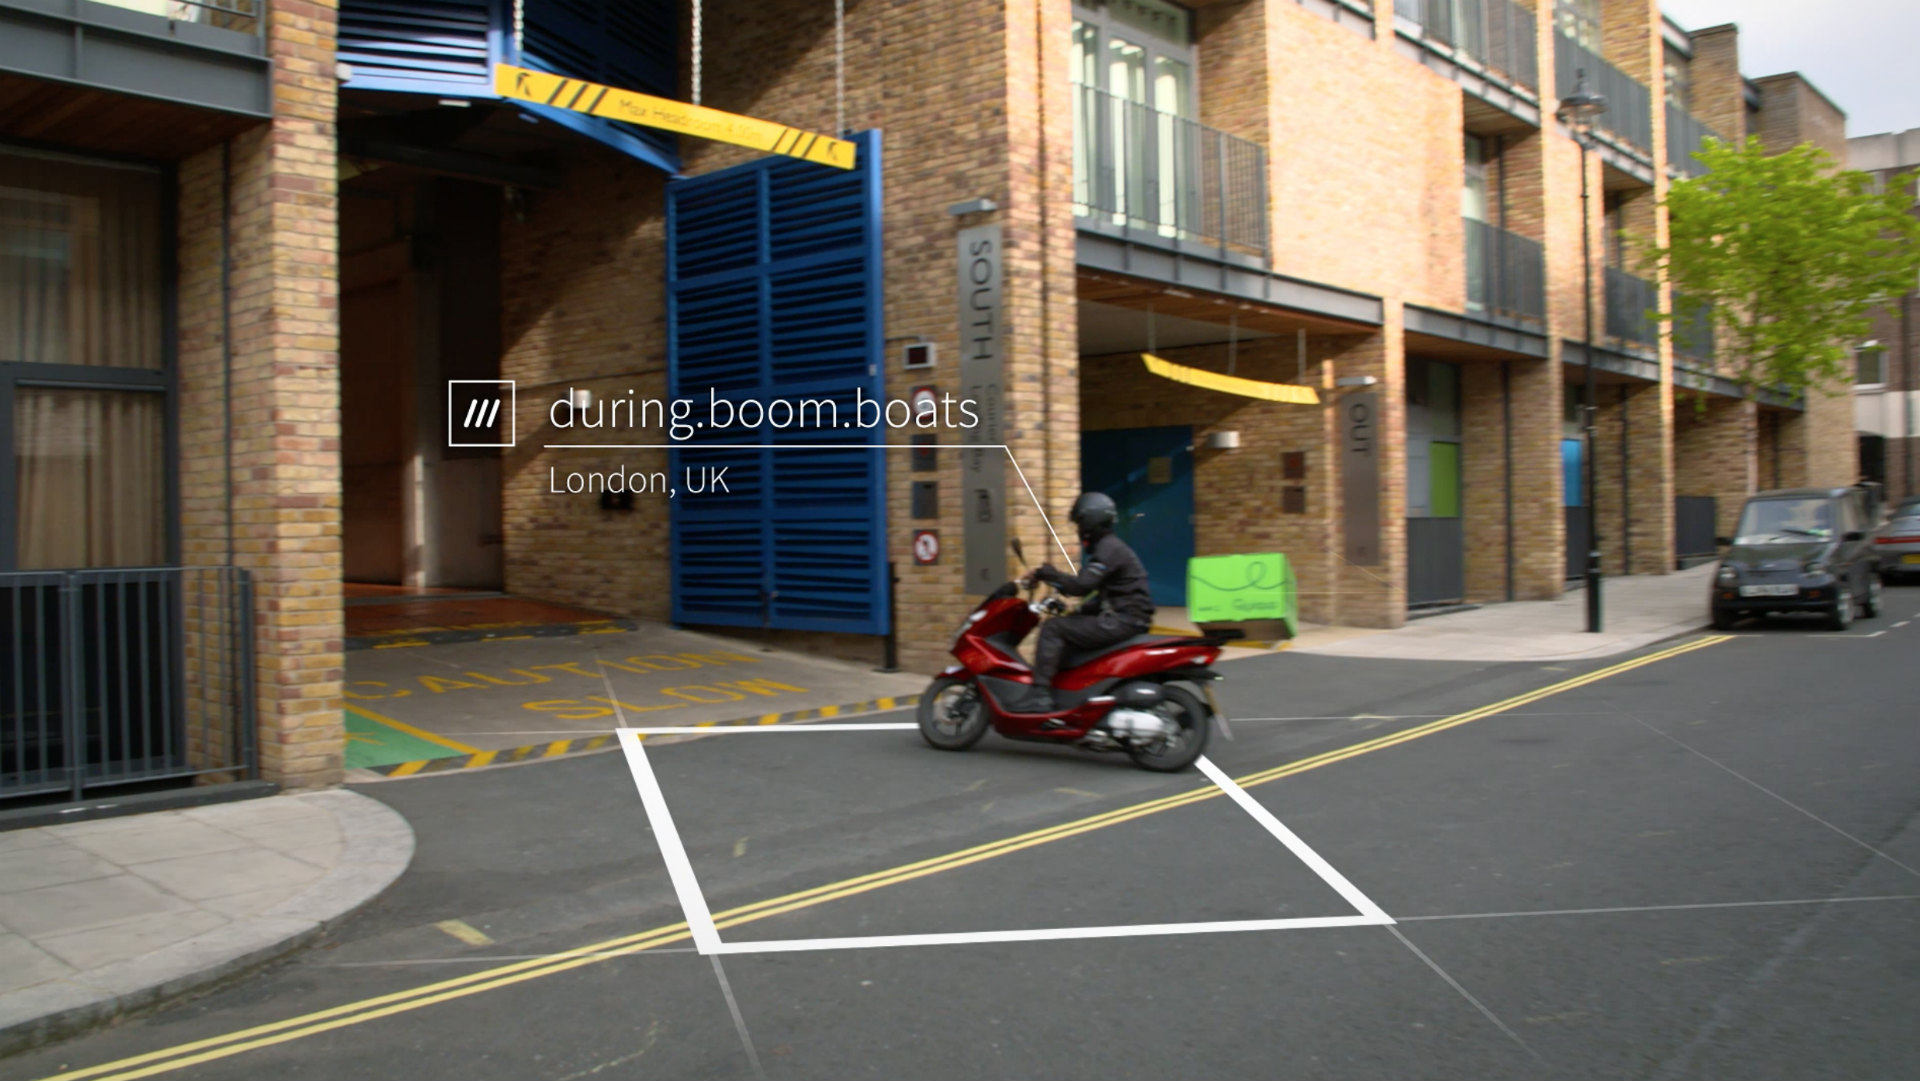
(926, 547)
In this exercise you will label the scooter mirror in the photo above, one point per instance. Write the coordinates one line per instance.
(1019, 553)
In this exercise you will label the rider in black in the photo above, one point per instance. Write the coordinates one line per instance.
(1120, 606)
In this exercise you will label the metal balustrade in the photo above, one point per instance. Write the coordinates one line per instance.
(1629, 114)
(1629, 300)
(1685, 137)
(1506, 274)
(117, 677)
(1498, 34)
(1166, 176)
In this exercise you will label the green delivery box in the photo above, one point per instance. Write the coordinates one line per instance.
(1254, 593)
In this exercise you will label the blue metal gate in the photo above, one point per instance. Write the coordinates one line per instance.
(773, 296)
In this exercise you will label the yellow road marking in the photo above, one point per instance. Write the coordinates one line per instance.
(558, 746)
(465, 932)
(483, 758)
(407, 769)
(417, 733)
(217, 1047)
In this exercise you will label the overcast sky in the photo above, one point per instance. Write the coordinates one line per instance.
(1860, 53)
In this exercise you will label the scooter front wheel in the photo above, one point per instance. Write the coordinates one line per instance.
(1189, 724)
(952, 716)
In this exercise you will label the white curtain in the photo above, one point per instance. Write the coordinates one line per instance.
(89, 470)
(81, 283)
(80, 264)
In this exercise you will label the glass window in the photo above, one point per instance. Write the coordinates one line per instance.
(1474, 202)
(82, 364)
(89, 478)
(1679, 80)
(1786, 521)
(1870, 367)
(1086, 53)
(1126, 70)
(1173, 86)
(80, 264)
(1166, 22)
(1579, 20)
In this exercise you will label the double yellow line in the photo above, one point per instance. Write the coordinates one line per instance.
(353, 1013)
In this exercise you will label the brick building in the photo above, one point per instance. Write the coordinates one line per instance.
(297, 221)
(1887, 374)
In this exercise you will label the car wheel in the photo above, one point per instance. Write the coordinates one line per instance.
(1870, 605)
(1840, 617)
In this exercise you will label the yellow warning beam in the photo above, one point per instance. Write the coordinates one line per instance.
(1231, 384)
(580, 96)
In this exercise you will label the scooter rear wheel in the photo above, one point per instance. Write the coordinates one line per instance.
(1179, 750)
(952, 717)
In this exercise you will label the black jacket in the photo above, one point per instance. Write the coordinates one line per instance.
(1110, 567)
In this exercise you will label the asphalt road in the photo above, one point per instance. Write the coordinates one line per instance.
(1704, 865)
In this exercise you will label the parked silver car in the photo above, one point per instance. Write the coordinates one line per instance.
(1896, 545)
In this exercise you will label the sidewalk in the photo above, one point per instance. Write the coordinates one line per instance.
(1636, 612)
(104, 917)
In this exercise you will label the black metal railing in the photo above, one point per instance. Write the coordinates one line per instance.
(1692, 328)
(1629, 112)
(113, 677)
(1167, 176)
(1506, 274)
(1685, 137)
(1499, 34)
(1629, 300)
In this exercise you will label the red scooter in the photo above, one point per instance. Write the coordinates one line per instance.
(1120, 698)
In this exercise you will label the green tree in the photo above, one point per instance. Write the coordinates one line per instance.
(1793, 254)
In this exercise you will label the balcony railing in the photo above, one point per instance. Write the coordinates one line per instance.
(242, 16)
(1506, 277)
(1629, 299)
(1167, 176)
(1629, 112)
(1692, 328)
(1685, 136)
(1497, 33)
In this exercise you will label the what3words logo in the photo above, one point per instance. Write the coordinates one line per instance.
(480, 413)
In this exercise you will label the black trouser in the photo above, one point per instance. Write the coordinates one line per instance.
(1060, 633)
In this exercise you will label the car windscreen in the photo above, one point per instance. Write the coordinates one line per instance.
(1785, 521)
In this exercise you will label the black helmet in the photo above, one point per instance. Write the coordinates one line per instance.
(1094, 514)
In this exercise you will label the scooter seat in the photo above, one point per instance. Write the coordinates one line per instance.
(1080, 657)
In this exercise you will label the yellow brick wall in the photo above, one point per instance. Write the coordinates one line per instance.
(285, 392)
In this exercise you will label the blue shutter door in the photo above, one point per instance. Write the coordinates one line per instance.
(773, 293)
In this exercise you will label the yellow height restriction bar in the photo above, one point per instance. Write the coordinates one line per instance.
(1292, 393)
(580, 96)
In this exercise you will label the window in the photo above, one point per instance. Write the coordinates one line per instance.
(1579, 20)
(82, 357)
(1135, 146)
(1474, 199)
(1679, 80)
(1615, 228)
(1870, 365)
(1786, 521)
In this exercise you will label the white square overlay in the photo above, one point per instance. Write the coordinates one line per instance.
(706, 938)
(508, 404)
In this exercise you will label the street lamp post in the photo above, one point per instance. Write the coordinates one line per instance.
(1578, 111)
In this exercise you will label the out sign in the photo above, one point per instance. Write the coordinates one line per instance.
(926, 547)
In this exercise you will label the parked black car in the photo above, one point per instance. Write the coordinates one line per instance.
(1799, 550)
